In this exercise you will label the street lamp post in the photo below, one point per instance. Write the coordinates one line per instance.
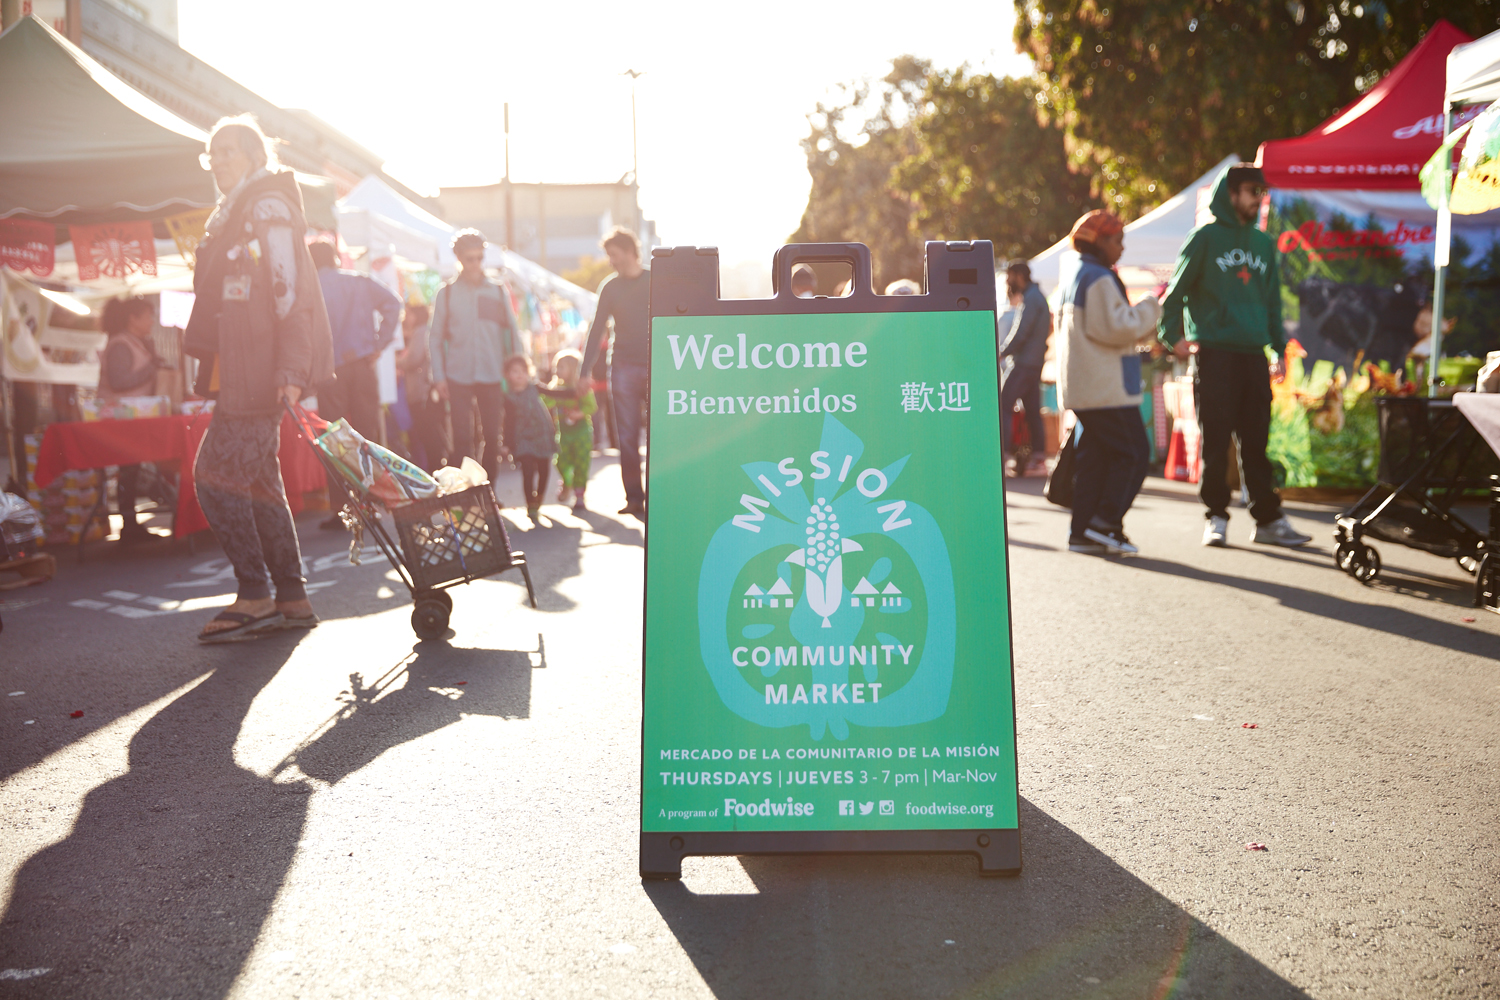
(510, 197)
(635, 159)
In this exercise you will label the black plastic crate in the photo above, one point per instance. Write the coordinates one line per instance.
(453, 539)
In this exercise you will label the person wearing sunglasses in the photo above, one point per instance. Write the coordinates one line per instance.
(473, 331)
(1224, 305)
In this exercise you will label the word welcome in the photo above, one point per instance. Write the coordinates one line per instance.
(766, 355)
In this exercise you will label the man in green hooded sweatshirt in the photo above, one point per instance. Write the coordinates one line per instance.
(1224, 304)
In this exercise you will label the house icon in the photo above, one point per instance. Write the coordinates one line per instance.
(755, 597)
(780, 588)
(861, 589)
(891, 596)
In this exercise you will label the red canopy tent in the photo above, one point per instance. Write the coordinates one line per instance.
(1380, 142)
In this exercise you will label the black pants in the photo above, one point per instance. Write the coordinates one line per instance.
(127, 489)
(488, 403)
(1023, 383)
(429, 431)
(353, 395)
(534, 473)
(1110, 466)
(1232, 392)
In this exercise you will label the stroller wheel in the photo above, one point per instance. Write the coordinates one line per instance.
(1364, 564)
(1487, 582)
(429, 618)
(1344, 555)
(1469, 564)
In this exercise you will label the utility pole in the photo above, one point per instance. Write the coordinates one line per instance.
(510, 195)
(635, 157)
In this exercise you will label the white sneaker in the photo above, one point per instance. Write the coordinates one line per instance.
(1215, 530)
(1279, 532)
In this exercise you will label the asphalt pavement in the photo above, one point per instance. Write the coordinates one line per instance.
(347, 812)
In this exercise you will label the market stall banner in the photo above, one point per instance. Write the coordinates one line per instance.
(114, 250)
(827, 638)
(188, 229)
(26, 245)
(1356, 274)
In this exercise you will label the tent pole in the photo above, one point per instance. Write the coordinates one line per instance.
(1440, 247)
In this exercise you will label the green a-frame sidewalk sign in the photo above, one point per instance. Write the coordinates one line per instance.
(827, 648)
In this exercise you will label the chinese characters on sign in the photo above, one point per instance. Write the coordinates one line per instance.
(916, 397)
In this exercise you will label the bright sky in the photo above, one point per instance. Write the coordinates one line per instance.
(722, 104)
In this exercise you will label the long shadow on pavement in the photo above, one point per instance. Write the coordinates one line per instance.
(1074, 924)
(1378, 617)
(162, 886)
(442, 684)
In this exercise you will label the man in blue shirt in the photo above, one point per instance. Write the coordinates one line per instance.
(1026, 346)
(363, 315)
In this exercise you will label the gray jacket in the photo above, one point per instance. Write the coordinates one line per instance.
(473, 332)
(1027, 341)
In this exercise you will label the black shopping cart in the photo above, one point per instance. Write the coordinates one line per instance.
(1432, 461)
(444, 541)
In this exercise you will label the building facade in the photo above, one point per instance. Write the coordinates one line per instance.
(555, 224)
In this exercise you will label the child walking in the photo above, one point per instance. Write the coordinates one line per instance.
(530, 436)
(575, 428)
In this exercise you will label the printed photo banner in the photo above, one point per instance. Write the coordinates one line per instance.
(114, 250)
(1357, 273)
(187, 229)
(26, 245)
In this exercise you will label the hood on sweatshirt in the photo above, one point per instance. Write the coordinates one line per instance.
(1226, 290)
(1220, 206)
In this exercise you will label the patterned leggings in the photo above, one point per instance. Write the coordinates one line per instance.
(238, 479)
(574, 446)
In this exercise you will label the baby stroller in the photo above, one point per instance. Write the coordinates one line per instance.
(444, 540)
(1431, 459)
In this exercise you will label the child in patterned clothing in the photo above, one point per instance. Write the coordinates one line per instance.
(575, 428)
(530, 436)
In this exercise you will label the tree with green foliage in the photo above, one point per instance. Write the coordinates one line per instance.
(986, 167)
(939, 155)
(852, 197)
(1152, 93)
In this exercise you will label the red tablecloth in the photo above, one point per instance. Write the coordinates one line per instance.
(97, 443)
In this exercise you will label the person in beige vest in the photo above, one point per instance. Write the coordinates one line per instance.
(127, 367)
(1100, 333)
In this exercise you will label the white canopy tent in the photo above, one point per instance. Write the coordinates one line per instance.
(1473, 78)
(1151, 242)
(1474, 71)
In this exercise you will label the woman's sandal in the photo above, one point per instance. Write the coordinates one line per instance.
(244, 626)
